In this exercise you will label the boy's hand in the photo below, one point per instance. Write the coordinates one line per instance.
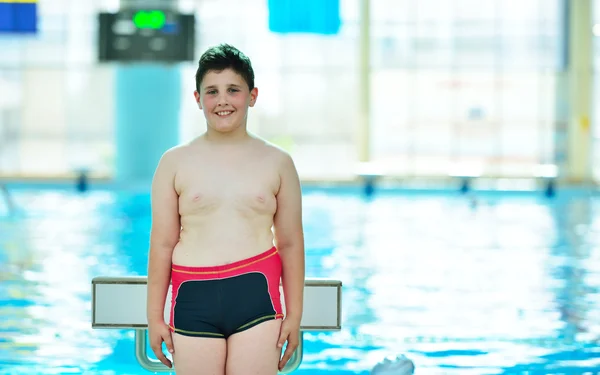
(159, 332)
(290, 332)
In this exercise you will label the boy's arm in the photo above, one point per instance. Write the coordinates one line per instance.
(289, 238)
(164, 235)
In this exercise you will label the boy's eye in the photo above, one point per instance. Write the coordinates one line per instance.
(211, 92)
(233, 90)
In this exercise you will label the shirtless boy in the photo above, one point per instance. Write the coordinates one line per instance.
(226, 228)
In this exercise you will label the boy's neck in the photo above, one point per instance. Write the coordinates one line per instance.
(237, 136)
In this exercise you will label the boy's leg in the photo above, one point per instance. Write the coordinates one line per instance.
(199, 355)
(254, 351)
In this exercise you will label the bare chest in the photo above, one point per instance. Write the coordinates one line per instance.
(247, 191)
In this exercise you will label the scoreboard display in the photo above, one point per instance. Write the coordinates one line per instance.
(158, 35)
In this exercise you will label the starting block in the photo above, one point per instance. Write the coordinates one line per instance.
(120, 303)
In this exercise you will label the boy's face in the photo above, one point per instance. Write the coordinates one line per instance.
(224, 98)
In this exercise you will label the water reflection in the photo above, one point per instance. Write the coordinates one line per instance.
(51, 255)
(499, 286)
(487, 286)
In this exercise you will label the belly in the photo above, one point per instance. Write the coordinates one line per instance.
(210, 240)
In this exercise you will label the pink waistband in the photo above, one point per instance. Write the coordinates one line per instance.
(226, 267)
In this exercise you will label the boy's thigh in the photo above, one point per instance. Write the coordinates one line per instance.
(199, 355)
(254, 351)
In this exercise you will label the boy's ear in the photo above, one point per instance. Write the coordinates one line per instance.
(253, 96)
(197, 97)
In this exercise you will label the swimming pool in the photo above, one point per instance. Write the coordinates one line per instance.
(498, 283)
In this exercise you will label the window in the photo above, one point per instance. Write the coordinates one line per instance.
(461, 82)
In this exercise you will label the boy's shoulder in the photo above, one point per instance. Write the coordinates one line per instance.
(273, 149)
(175, 155)
(180, 149)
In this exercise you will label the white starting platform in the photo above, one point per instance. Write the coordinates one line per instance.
(120, 303)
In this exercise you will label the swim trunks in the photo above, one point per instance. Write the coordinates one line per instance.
(219, 301)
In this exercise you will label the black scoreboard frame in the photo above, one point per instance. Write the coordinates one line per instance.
(180, 45)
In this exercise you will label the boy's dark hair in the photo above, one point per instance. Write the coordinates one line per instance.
(221, 57)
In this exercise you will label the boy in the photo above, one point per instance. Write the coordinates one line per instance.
(226, 226)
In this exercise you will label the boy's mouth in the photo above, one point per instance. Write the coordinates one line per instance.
(224, 113)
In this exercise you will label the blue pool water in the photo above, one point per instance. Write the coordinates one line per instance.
(495, 284)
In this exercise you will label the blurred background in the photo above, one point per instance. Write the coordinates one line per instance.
(447, 83)
(447, 151)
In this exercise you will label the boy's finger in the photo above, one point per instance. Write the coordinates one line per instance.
(161, 357)
(286, 357)
(168, 343)
(282, 338)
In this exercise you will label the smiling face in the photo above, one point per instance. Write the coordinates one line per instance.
(225, 97)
